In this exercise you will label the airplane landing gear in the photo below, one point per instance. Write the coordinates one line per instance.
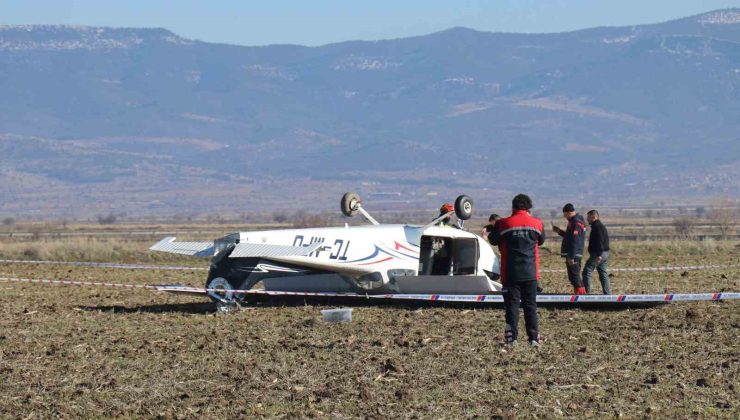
(221, 291)
(463, 207)
(226, 307)
(350, 203)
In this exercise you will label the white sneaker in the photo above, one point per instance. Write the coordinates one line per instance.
(534, 343)
(510, 343)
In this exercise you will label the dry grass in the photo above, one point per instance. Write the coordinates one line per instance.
(83, 249)
(77, 352)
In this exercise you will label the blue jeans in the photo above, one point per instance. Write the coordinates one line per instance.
(602, 268)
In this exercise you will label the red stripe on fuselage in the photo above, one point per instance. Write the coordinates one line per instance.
(376, 262)
(404, 247)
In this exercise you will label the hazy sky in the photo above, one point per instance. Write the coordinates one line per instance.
(316, 22)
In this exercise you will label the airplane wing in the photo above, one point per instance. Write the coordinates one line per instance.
(241, 250)
(245, 250)
(197, 249)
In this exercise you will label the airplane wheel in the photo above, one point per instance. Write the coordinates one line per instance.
(221, 292)
(349, 203)
(463, 207)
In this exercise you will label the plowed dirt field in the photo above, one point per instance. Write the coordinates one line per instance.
(86, 352)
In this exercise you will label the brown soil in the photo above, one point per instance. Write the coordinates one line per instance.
(80, 352)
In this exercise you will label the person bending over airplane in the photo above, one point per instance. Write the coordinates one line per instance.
(447, 221)
(487, 229)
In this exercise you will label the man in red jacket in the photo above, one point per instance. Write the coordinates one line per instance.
(519, 237)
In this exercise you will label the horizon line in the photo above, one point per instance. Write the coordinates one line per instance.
(453, 28)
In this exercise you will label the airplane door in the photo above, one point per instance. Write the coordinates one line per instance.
(440, 256)
(464, 256)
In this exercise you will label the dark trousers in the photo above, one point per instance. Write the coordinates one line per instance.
(574, 272)
(526, 294)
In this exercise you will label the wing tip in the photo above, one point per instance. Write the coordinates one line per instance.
(163, 241)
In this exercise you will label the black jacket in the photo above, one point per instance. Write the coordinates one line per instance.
(574, 237)
(598, 240)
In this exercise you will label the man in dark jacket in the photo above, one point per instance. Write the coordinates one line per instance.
(574, 237)
(518, 238)
(487, 229)
(598, 253)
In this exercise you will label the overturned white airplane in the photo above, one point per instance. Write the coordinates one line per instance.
(368, 259)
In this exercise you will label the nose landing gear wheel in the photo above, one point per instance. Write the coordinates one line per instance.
(221, 291)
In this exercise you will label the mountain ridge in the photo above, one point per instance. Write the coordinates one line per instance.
(725, 16)
(168, 122)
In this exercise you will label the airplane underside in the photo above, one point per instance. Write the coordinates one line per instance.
(248, 273)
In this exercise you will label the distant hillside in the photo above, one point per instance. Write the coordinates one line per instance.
(146, 122)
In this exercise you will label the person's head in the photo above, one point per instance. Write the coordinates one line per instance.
(493, 217)
(569, 211)
(521, 202)
(592, 216)
(446, 208)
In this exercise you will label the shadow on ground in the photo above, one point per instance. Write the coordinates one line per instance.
(185, 308)
(294, 301)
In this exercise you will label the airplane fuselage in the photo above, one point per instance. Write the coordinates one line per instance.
(377, 251)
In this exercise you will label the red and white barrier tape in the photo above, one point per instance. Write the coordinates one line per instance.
(106, 265)
(497, 298)
(634, 298)
(652, 269)
(185, 268)
(79, 283)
